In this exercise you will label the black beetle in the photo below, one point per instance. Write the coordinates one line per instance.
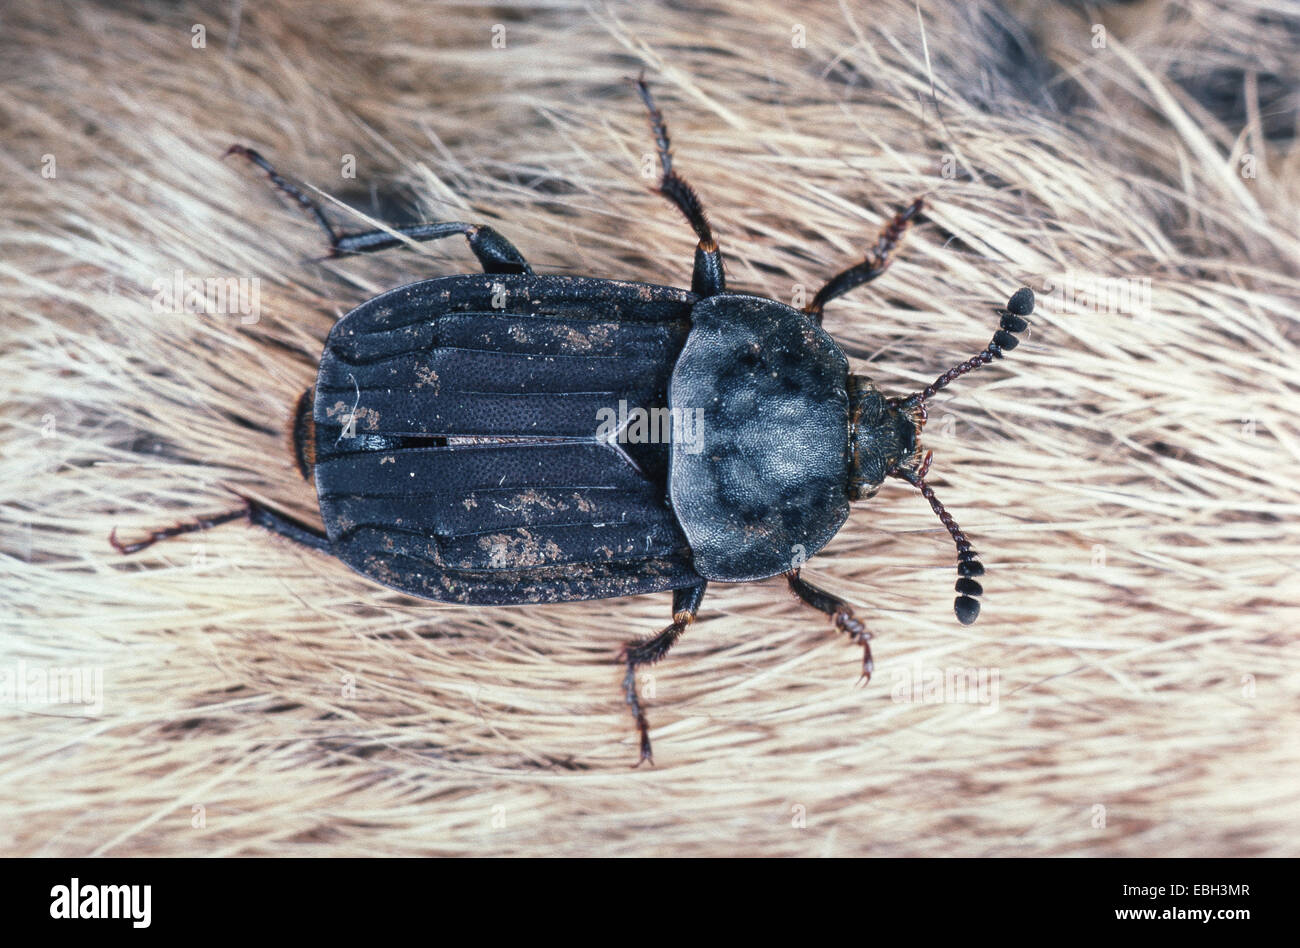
(471, 440)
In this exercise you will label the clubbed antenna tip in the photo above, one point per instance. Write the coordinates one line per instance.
(1004, 340)
(966, 605)
(1011, 321)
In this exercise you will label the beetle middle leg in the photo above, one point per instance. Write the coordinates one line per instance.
(876, 263)
(494, 252)
(839, 611)
(707, 279)
(686, 603)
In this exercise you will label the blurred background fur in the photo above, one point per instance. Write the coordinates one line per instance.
(1130, 476)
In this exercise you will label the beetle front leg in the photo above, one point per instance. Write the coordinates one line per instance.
(876, 263)
(840, 611)
(686, 603)
(707, 279)
(494, 252)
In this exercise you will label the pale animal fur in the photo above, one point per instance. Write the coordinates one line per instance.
(1130, 478)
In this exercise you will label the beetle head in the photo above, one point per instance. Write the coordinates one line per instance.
(885, 441)
(883, 436)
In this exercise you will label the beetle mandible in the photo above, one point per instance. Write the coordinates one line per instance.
(454, 440)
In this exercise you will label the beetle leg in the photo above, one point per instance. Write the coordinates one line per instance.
(707, 279)
(686, 603)
(840, 611)
(494, 252)
(287, 187)
(256, 513)
(876, 263)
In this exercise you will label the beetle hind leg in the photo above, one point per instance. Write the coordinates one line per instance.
(257, 514)
(686, 603)
(494, 252)
(840, 612)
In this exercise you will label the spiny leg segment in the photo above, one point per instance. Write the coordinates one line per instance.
(877, 261)
(257, 514)
(686, 603)
(707, 279)
(494, 252)
(839, 611)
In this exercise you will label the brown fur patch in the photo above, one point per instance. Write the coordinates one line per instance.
(304, 433)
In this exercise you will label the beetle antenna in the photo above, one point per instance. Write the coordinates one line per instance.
(1012, 316)
(966, 605)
